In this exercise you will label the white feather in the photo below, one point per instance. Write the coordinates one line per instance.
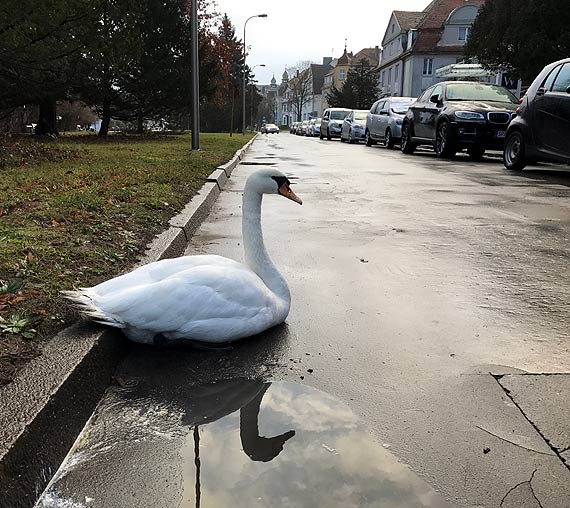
(206, 298)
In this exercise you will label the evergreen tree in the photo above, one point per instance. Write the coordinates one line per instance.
(520, 36)
(359, 90)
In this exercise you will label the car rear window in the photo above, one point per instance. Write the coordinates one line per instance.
(400, 106)
(339, 115)
(478, 92)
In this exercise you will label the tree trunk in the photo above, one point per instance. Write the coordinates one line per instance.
(47, 119)
(106, 120)
(140, 126)
(232, 115)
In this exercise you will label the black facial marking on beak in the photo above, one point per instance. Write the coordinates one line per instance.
(281, 180)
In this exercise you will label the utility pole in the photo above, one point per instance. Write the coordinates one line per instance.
(195, 75)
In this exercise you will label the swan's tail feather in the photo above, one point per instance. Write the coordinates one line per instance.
(83, 301)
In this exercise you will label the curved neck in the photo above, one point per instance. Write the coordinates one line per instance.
(256, 256)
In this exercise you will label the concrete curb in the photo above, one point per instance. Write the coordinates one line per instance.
(60, 389)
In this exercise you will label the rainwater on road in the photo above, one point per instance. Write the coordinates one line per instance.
(421, 288)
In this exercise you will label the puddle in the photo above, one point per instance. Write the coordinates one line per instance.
(237, 443)
(252, 163)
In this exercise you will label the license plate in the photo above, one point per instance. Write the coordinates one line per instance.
(500, 134)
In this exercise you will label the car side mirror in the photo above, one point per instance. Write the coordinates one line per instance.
(568, 90)
(540, 91)
(434, 99)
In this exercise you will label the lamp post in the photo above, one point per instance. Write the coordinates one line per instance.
(252, 92)
(195, 77)
(243, 84)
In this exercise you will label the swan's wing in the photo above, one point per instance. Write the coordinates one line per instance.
(161, 270)
(204, 302)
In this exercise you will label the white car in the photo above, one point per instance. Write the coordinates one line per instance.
(270, 128)
(354, 126)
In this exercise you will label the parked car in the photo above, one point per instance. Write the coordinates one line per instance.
(304, 127)
(384, 120)
(293, 128)
(269, 128)
(314, 127)
(453, 115)
(354, 126)
(331, 123)
(541, 129)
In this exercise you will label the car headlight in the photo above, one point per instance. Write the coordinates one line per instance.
(469, 115)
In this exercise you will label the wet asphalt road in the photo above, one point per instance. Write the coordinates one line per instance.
(416, 285)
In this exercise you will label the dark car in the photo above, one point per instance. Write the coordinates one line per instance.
(541, 129)
(454, 115)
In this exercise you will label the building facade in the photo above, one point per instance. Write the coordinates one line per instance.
(416, 44)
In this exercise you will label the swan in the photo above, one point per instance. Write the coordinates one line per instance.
(203, 298)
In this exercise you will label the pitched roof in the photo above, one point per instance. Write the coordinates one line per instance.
(345, 59)
(408, 19)
(430, 26)
(370, 54)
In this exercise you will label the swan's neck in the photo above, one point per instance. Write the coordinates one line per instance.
(256, 256)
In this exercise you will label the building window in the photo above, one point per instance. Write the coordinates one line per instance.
(383, 80)
(463, 33)
(428, 66)
(393, 27)
(396, 73)
(390, 75)
(341, 74)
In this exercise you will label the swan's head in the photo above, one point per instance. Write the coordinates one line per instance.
(271, 181)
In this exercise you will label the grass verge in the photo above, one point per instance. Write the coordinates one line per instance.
(78, 210)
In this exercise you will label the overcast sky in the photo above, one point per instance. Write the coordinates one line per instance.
(297, 30)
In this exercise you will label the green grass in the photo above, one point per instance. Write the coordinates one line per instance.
(78, 210)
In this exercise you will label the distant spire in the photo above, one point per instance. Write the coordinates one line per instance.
(345, 40)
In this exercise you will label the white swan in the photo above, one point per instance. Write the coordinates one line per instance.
(205, 298)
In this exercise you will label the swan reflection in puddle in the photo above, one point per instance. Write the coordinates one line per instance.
(238, 443)
(327, 460)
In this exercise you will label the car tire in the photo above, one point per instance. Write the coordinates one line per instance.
(350, 138)
(388, 139)
(514, 157)
(321, 135)
(406, 144)
(444, 146)
(369, 140)
(342, 140)
(476, 152)
(328, 135)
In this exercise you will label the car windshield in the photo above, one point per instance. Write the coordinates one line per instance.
(271, 126)
(478, 92)
(339, 115)
(401, 107)
(360, 115)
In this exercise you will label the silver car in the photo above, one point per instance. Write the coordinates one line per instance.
(384, 120)
(354, 126)
(331, 123)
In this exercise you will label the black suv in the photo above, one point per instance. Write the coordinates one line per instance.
(453, 115)
(541, 130)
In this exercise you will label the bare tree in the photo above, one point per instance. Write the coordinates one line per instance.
(300, 87)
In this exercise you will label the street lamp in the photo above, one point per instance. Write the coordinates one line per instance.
(252, 93)
(243, 84)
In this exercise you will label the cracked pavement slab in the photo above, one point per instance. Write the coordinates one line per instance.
(545, 401)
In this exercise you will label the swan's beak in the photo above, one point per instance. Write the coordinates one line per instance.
(286, 191)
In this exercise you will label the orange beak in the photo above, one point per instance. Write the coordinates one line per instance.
(286, 191)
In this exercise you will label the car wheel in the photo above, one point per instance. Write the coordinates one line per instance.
(444, 147)
(476, 152)
(369, 141)
(342, 140)
(406, 145)
(388, 139)
(514, 153)
(321, 135)
(328, 135)
(350, 138)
